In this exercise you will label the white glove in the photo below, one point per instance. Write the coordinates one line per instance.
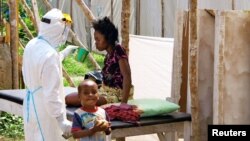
(65, 125)
(69, 49)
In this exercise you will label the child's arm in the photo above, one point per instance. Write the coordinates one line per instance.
(83, 133)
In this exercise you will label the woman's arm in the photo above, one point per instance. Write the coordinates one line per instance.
(126, 84)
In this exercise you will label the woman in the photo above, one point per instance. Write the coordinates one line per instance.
(116, 86)
(116, 71)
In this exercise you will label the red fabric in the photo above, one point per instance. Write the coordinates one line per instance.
(123, 112)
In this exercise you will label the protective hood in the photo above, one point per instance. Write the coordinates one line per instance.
(53, 28)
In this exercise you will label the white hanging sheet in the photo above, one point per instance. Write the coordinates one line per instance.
(151, 66)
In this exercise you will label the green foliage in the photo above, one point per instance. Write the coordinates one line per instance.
(11, 126)
(22, 33)
(75, 68)
(78, 69)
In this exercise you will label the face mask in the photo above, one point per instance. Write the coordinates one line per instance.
(68, 21)
(65, 34)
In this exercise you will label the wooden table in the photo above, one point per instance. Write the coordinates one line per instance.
(167, 127)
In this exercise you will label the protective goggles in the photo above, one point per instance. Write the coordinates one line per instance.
(66, 18)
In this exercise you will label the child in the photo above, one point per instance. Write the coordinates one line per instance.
(90, 122)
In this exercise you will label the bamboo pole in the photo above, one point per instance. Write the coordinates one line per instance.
(22, 46)
(193, 71)
(77, 40)
(47, 4)
(112, 11)
(25, 27)
(162, 18)
(86, 10)
(36, 13)
(14, 41)
(138, 5)
(67, 77)
(233, 5)
(125, 15)
(30, 13)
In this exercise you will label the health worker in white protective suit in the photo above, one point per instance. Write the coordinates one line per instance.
(44, 110)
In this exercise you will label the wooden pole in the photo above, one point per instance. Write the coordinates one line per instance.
(20, 63)
(71, 9)
(162, 18)
(30, 13)
(25, 27)
(47, 4)
(125, 15)
(86, 10)
(193, 71)
(36, 13)
(138, 12)
(112, 11)
(233, 5)
(67, 77)
(14, 40)
(76, 39)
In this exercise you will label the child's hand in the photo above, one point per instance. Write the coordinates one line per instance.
(100, 125)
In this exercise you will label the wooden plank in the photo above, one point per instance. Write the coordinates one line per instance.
(177, 76)
(193, 71)
(232, 68)
(150, 129)
(217, 99)
(184, 60)
(205, 42)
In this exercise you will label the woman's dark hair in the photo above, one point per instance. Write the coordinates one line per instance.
(108, 29)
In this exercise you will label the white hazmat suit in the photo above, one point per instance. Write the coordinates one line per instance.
(44, 106)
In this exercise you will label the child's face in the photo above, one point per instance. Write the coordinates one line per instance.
(89, 94)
